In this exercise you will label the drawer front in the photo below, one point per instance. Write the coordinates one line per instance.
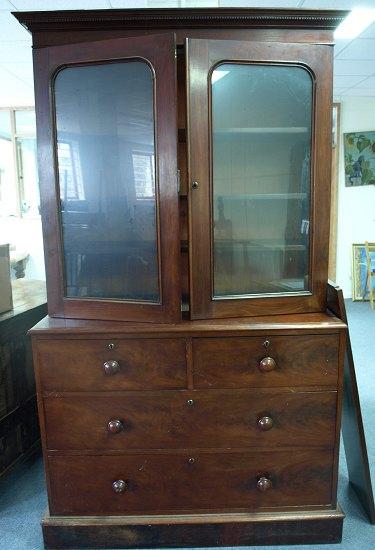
(191, 419)
(288, 360)
(155, 483)
(88, 365)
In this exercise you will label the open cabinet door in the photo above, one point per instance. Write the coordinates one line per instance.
(259, 121)
(107, 133)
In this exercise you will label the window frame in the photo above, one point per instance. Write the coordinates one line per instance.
(15, 136)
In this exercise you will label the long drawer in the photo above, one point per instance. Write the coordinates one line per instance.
(186, 419)
(260, 362)
(157, 483)
(93, 365)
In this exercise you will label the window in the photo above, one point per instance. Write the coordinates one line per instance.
(19, 190)
(70, 174)
(143, 167)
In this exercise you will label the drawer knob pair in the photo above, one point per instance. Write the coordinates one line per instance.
(119, 486)
(264, 484)
(267, 364)
(265, 423)
(111, 367)
(115, 426)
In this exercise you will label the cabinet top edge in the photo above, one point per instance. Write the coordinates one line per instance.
(36, 21)
(305, 322)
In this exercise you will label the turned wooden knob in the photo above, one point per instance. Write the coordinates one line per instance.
(115, 426)
(267, 364)
(111, 367)
(264, 484)
(265, 423)
(119, 486)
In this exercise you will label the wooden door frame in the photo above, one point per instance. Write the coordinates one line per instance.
(202, 56)
(159, 52)
(335, 174)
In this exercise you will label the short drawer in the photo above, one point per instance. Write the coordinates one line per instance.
(178, 482)
(191, 419)
(265, 362)
(90, 365)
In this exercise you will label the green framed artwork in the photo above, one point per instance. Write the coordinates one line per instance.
(359, 151)
(359, 273)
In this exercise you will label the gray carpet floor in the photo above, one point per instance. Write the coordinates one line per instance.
(23, 497)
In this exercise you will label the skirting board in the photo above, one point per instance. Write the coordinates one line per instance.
(239, 529)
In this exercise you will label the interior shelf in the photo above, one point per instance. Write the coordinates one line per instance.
(263, 130)
(258, 246)
(265, 196)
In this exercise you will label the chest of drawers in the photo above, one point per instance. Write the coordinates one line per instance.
(173, 426)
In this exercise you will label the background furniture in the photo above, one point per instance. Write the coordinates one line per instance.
(352, 424)
(18, 262)
(370, 251)
(189, 375)
(19, 427)
(5, 286)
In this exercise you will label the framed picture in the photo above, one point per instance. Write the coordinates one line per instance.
(359, 274)
(359, 153)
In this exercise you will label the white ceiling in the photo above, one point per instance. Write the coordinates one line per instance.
(354, 69)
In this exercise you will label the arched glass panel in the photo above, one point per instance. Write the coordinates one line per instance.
(261, 154)
(106, 164)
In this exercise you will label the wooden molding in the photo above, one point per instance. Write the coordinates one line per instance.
(180, 17)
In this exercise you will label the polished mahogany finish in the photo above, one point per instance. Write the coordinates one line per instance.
(159, 483)
(172, 531)
(169, 419)
(159, 53)
(136, 364)
(198, 421)
(265, 325)
(160, 18)
(202, 57)
(237, 362)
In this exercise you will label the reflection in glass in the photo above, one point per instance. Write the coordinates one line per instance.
(105, 149)
(261, 124)
(28, 175)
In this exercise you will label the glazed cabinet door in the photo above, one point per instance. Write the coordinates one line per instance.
(259, 167)
(106, 117)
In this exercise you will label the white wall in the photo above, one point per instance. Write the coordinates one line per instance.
(356, 205)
